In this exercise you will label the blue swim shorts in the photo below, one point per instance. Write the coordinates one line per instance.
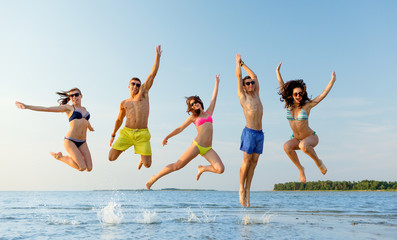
(252, 141)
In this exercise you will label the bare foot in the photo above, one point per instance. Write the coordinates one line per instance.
(149, 183)
(56, 155)
(200, 171)
(140, 165)
(302, 176)
(247, 197)
(323, 168)
(242, 198)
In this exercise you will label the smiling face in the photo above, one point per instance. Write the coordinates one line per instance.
(195, 105)
(134, 86)
(297, 94)
(75, 96)
(249, 84)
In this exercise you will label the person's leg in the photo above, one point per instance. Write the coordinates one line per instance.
(250, 175)
(85, 151)
(142, 147)
(146, 161)
(114, 154)
(245, 166)
(75, 160)
(215, 161)
(123, 142)
(290, 148)
(189, 154)
(307, 146)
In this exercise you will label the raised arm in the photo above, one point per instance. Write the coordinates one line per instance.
(320, 97)
(279, 78)
(179, 129)
(149, 81)
(251, 74)
(211, 107)
(118, 123)
(61, 108)
(240, 89)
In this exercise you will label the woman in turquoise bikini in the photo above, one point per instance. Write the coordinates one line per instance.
(298, 106)
(202, 144)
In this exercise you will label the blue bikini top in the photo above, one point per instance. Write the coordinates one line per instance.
(301, 116)
(78, 115)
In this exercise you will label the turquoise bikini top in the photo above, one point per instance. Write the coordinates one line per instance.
(302, 116)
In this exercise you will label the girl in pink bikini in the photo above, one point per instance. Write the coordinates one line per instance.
(202, 144)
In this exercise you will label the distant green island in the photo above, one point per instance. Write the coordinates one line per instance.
(365, 185)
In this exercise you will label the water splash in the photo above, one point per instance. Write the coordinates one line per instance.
(206, 217)
(192, 217)
(264, 219)
(111, 214)
(148, 217)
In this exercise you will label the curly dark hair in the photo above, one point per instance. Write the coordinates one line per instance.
(64, 96)
(190, 107)
(287, 90)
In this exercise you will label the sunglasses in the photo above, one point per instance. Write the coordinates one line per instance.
(74, 95)
(191, 104)
(136, 84)
(298, 93)
(249, 83)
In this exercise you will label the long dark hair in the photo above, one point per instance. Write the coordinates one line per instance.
(287, 90)
(190, 109)
(64, 96)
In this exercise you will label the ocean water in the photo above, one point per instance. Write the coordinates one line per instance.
(180, 214)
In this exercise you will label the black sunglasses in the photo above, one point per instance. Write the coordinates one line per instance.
(136, 84)
(74, 95)
(298, 93)
(191, 104)
(249, 83)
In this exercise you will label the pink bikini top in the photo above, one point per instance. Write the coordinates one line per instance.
(199, 121)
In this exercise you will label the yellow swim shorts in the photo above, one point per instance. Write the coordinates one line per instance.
(140, 138)
(203, 150)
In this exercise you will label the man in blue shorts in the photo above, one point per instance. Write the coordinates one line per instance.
(252, 137)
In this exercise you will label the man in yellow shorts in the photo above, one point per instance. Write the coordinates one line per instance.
(136, 109)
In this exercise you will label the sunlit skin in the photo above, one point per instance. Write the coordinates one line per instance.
(203, 138)
(136, 110)
(253, 112)
(303, 135)
(79, 157)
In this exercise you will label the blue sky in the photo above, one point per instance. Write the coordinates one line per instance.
(47, 46)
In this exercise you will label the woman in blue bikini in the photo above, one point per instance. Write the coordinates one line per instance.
(75, 140)
(298, 106)
(202, 144)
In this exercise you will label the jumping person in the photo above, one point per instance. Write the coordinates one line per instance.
(298, 106)
(252, 137)
(75, 140)
(136, 110)
(202, 144)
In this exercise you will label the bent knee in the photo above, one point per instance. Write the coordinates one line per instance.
(220, 169)
(303, 146)
(147, 164)
(288, 148)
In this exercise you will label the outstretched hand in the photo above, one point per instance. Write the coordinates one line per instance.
(279, 66)
(333, 78)
(165, 141)
(158, 50)
(20, 105)
(217, 78)
(238, 58)
(111, 140)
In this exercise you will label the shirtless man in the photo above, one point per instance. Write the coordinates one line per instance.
(136, 109)
(252, 137)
